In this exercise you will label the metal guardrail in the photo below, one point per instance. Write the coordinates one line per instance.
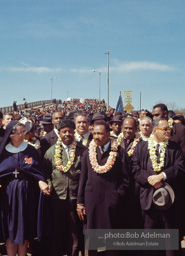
(22, 106)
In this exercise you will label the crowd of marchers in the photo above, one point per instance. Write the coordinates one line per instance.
(73, 167)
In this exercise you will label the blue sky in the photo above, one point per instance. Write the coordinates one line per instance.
(67, 39)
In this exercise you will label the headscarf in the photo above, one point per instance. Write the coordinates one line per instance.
(6, 137)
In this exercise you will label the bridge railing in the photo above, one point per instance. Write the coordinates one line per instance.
(22, 106)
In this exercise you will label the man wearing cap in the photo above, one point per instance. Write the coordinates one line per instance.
(47, 123)
(98, 117)
(155, 162)
(62, 164)
(51, 137)
(115, 125)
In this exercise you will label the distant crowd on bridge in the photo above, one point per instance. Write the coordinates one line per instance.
(76, 166)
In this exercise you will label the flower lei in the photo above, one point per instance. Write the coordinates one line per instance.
(151, 147)
(130, 152)
(170, 122)
(110, 161)
(120, 137)
(58, 159)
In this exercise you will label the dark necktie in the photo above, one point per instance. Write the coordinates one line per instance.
(157, 152)
(126, 143)
(102, 150)
(81, 138)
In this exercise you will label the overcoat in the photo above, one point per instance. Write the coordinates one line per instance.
(142, 169)
(101, 193)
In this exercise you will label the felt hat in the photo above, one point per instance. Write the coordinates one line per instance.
(47, 119)
(98, 116)
(65, 123)
(163, 197)
(116, 119)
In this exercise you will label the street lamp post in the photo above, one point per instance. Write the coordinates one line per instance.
(107, 80)
(52, 86)
(99, 83)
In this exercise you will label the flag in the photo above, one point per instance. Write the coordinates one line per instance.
(119, 106)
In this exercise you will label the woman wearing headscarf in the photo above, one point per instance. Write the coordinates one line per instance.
(20, 172)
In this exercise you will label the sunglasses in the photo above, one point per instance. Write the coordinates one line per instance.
(164, 129)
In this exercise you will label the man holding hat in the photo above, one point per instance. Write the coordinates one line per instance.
(157, 164)
(62, 164)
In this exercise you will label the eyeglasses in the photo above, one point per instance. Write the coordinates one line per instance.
(164, 129)
(156, 115)
(20, 133)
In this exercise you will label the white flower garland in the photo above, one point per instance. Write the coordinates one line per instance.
(130, 152)
(152, 151)
(120, 137)
(58, 157)
(170, 122)
(110, 161)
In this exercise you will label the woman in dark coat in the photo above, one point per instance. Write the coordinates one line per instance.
(20, 172)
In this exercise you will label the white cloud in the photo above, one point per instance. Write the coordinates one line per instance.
(139, 66)
(38, 70)
(118, 67)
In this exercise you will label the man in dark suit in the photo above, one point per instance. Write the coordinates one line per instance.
(154, 162)
(177, 135)
(129, 128)
(178, 130)
(103, 181)
(131, 211)
(51, 137)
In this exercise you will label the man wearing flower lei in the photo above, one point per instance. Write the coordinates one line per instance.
(82, 128)
(177, 130)
(156, 161)
(62, 165)
(129, 140)
(104, 180)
